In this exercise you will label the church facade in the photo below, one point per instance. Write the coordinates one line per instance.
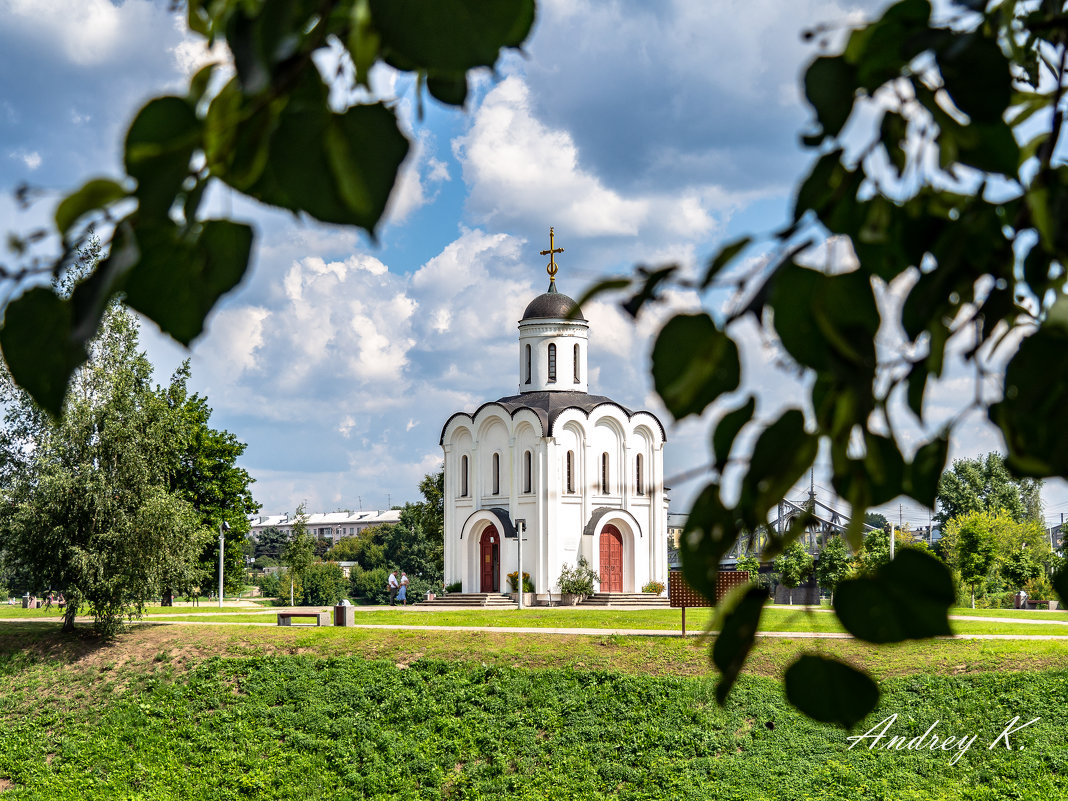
(578, 474)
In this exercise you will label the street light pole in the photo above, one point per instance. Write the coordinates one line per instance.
(223, 526)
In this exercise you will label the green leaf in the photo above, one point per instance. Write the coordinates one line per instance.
(98, 193)
(736, 637)
(925, 471)
(448, 87)
(39, 346)
(884, 467)
(364, 42)
(159, 144)
(710, 532)
(693, 364)
(450, 35)
(917, 385)
(178, 279)
(830, 86)
(781, 455)
(727, 430)
(907, 599)
(725, 256)
(822, 319)
(1033, 416)
(648, 292)
(1060, 584)
(830, 691)
(976, 75)
(365, 149)
(892, 133)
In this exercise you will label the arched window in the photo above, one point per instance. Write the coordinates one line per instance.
(604, 473)
(463, 476)
(578, 373)
(571, 471)
(527, 464)
(496, 474)
(552, 363)
(528, 364)
(639, 484)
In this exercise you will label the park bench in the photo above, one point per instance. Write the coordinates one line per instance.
(1037, 603)
(321, 618)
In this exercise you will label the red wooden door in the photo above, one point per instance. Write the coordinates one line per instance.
(611, 560)
(489, 559)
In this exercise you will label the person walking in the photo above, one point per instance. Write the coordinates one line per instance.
(394, 587)
(402, 596)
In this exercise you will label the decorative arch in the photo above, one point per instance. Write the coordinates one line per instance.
(492, 522)
(607, 526)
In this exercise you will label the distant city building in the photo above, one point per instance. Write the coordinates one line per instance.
(326, 525)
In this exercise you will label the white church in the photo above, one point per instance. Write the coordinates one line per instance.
(579, 474)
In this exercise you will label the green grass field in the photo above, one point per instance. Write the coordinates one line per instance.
(775, 619)
(234, 713)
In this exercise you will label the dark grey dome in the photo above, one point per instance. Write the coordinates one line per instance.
(553, 304)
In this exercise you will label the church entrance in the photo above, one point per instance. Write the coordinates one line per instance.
(489, 560)
(611, 560)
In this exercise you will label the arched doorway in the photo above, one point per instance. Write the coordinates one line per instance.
(489, 560)
(611, 560)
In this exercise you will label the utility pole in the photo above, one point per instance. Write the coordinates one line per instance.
(223, 526)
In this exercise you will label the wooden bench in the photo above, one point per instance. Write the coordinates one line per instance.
(1037, 603)
(321, 618)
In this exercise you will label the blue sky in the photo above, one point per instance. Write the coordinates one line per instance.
(644, 132)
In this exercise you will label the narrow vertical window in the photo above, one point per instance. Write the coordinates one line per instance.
(527, 464)
(496, 474)
(552, 362)
(528, 364)
(639, 484)
(578, 373)
(604, 473)
(463, 476)
(570, 471)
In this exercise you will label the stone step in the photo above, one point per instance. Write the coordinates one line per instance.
(473, 599)
(625, 599)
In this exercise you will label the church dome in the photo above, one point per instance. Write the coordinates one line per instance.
(553, 304)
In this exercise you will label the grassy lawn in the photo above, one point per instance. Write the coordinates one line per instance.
(775, 619)
(167, 712)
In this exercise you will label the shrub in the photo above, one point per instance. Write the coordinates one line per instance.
(369, 584)
(654, 587)
(578, 580)
(324, 583)
(513, 580)
(456, 586)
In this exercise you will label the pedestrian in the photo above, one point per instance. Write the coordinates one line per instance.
(402, 596)
(394, 587)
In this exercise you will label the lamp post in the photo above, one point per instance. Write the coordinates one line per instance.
(223, 526)
(521, 526)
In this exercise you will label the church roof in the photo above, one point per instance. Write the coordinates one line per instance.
(553, 304)
(548, 406)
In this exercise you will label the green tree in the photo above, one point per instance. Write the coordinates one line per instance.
(299, 551)
(794, 566)
(271, 542)
(208, 477)
(428, 516)
(875, 520)
(348, 549)
(322, 583)
(985, 485)
(90, 513)
(975, 547)
(834, 564)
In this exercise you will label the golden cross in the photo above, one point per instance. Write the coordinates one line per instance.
(551, 268)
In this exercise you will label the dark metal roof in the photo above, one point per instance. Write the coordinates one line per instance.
(548, 406)
(553, 304)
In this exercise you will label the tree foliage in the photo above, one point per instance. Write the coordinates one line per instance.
(794, 566)
(270, 133)
(89, 509)
(985, 485)
(937, 179)
(834, 564)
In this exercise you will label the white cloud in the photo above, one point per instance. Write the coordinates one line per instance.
(31, 158)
